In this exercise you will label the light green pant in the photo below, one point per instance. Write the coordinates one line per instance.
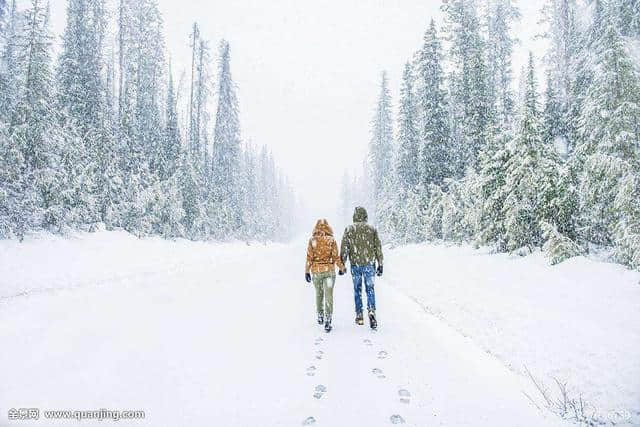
(324, 291)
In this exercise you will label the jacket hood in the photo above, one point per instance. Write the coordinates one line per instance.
(360, 215)
(322, 228)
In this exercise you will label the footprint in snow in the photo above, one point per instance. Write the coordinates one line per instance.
(320, 390)
(396, 419)
(378, 373)
(309, 421)
(367, 342)
(404, 395)
(319, 354)
(311, 371)
(318, 341)
(382, 354)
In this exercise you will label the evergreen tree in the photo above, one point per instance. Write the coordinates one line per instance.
(4, 7)
(557, 246)
(629, 11)
(408, 166)
(34, 121)
(627, 229)
(552, 116)
(142, 51)
(434, 213)
(9, 71)
(249, 188)
(18, 200)
(530, 175)
(193, 129)
(381, 146)
(433, 121)
(81, 86)
(501, 14)
(226, 144)
(609, 131)
(169, 155)
(458, 213)
(492, 190)
(82, 100)
(566, 69)
(472, 110)
(192, 204)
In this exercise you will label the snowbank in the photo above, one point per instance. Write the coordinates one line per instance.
(578, 322)
(45, 262)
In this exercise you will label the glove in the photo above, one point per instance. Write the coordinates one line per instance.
(379, 270)
(307, 277)
(341, 272)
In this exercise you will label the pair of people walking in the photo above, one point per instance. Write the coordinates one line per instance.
(362, 248)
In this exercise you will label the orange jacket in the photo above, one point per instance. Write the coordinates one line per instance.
(322, 251)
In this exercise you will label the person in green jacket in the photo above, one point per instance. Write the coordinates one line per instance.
(361, 246)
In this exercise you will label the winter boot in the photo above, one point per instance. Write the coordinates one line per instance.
(372, 319)
(327, 324)
(320, 318)
(359, 319)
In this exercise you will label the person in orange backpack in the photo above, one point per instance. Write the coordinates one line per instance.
(322, 258)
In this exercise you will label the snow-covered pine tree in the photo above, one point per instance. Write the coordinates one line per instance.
(491, 187)
(4, 11)
(500, 16)
(199, 134)
(170, 215)
(381, 146)
(249, 189)
(557, 246)
(435, 154)
(34, 123)
(564, 60)
(471, 104)
(142, 66)
(193, 206)
(552, 118)
(201, 98)
(226, 145)
(530, 173)
(459, 213)
(627, 229)
(82, 100)
(608, 126)
(164, 210)
(414, 207)
(629, 11)
(264, 196)
(18, 200)
(408, 158)
(433, 213)
(9, 75)
(169, 155)
(193, 139)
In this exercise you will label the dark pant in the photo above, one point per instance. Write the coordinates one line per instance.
(358, 273)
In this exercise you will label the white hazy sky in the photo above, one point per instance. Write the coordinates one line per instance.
(308, 72)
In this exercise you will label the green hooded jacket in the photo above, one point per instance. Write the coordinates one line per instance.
(360, 241)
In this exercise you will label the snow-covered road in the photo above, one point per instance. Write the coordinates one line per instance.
(224, 335)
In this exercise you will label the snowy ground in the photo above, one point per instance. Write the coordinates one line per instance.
(209, 334)
(578, 322)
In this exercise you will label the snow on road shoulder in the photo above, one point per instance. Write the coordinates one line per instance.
(578, 322)
(46, 261)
